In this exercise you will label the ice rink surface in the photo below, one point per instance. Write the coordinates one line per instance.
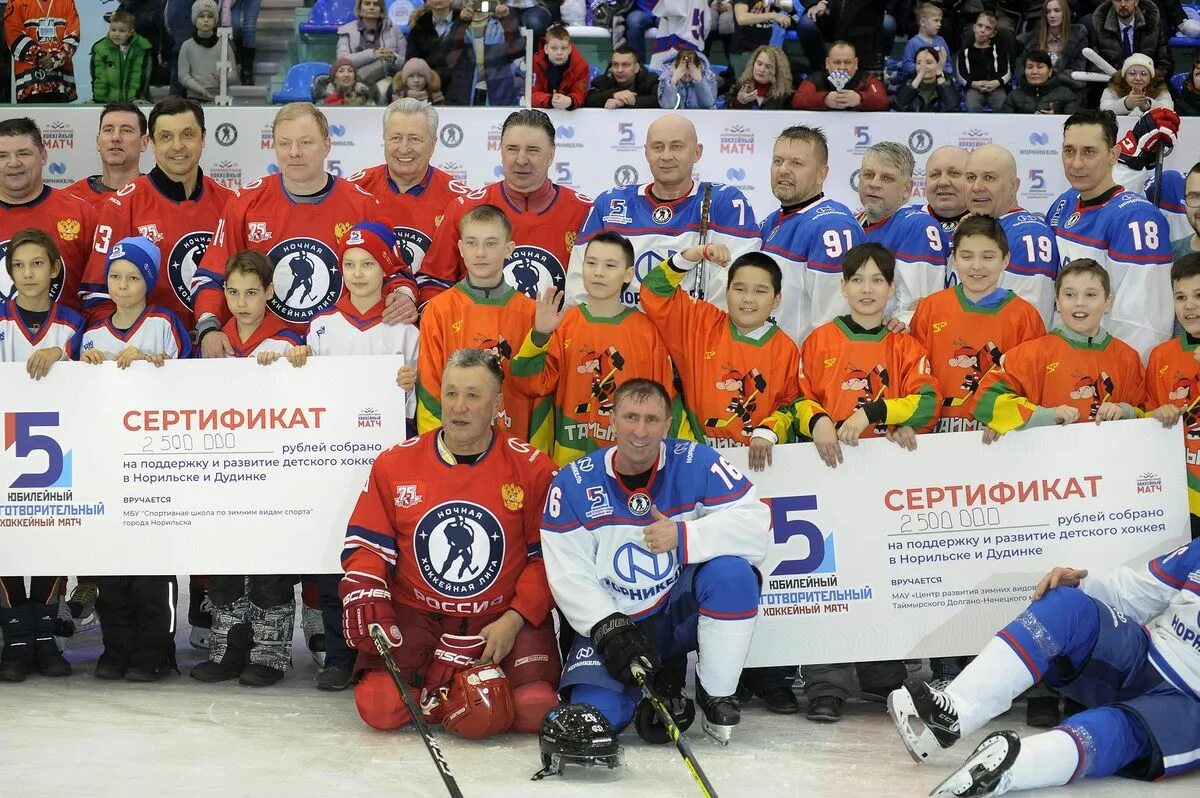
(80, 736)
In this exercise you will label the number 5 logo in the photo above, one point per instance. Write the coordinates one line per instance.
(785, 518)
(18, 431)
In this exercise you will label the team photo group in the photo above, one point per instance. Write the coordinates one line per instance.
(561, 528)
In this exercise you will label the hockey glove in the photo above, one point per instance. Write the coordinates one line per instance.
(1157, 129)
(366, 601)
(620, 641)
(452, 654)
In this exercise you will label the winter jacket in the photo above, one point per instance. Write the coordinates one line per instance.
(574, 82)
(1188, 101)
(813, 91)
(1069, 60)
(350, 44)
(645, 86)
(450, 56)
(1053, 95)
(121, 77)
(1149, 36)
(695, 94)
(198, 68)
(983, 63)
(1109, 101)
(781, 103)
(943, 99)
(502, 45)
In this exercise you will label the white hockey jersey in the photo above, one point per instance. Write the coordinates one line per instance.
(1129, 237)
(682, 25)
(1165, 596)
(1170, 202)
(63, 328)
(658, 230)
(592, 538)
(809, 244)
(915, 238)
(156, 332)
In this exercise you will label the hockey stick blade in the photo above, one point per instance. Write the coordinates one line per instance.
(418, 720)
(681, 743)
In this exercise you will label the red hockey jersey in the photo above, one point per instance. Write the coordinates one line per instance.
(462, 540)
(66, 217)
(543, 240)
(182, 231)
(91, 190)
(271, 336)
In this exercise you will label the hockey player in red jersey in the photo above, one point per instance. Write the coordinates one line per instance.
(546, 217)
(443, 554)
(413, 194)
(121, 140)
(26, 201)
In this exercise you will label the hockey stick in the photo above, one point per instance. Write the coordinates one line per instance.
(705, 204)
(664, 714)
(415, 710)
(1159, 157)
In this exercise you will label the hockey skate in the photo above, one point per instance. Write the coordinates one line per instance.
(924, 717)
(314, 633)
(720, 714)
(988, 771)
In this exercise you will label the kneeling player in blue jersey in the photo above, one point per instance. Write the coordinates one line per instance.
(1123, 644)
(651, 546)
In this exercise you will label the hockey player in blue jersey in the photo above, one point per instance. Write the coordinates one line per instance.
(1097, 218)
(663, 217)
(650, 549)
(809, 234)
(946, 194)
(1125, 644)
(885, 186)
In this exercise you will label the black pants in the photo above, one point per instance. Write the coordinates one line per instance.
(42, 590)
(137, 619)
(266, 591)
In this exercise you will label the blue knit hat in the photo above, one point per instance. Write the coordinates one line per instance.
(142, 253)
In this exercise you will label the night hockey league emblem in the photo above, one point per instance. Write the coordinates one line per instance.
(639, 504)
(182, 262)
(307, 279)
(459, 547)
(533, 269)
(663, 214)
(413, 246)
(8, 289)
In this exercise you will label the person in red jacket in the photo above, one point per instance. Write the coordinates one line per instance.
(842, 86)
(560, 72)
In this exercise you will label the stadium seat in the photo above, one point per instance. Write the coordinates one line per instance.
(1193, 12)
(593, 73)
(298, 83)
(1177, 81)
(328, 15)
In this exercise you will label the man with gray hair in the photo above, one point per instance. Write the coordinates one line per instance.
(885, 185)
(413, 193)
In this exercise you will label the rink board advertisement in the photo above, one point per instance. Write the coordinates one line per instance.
(206, 466)
(899, 554)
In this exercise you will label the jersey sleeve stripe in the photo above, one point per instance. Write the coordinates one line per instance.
(571, 526)
(1157, 571)
(1155, 258)
(384, 543)
(1020, 652)
(729, 616)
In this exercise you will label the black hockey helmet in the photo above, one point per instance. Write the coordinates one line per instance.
(576, 733)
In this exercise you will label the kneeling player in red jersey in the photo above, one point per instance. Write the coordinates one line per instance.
(443, 553)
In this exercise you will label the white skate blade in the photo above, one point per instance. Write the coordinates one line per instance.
(722, 734)
(916, 736)
(993, 754)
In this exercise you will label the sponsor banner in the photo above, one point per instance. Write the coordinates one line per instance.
(151, 471)
(899, 555)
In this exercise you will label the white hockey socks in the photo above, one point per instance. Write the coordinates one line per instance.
(986, 687)
(723, 649)
(1046, 760)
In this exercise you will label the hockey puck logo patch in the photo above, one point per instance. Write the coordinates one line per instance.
(413, 246)
(182, 262)
(9, 289)
(663, 214)
(533, 269)
(307, 279)
(459, 548)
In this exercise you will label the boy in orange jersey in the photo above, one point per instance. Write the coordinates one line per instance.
(736, 367)
(581, 354)
(481, 312)
(966, 329)
(1095, 377)
(1173, 375)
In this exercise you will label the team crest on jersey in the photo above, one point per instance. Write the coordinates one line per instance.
(150, 231)
(413, 245)
(533, 269)
(184, 259)
(408, 496)
(513, 496)
(340, 229)
(663, 214)
(570, 237)
(459, 548)
(1072, 220)
(639, 504)
(68, 229)
(307, 279)
(257, 232)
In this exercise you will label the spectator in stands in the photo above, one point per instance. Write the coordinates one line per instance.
(625, 85)
(929, 91)
(372, 43)
(808, 31)
(242, 16)
(560, 72)
(862, 23)
(1188, 102)
(753, 22)
(984, 66)
(6, 61)
(148, 22)
(417, 81)
(721, 29)
(1056, 34)
(177, 19)
(198, 70)
(687, 81)
(929, 23)
(842, 86)
(1040, 91)
(1121, 28)
(639, 20)
(439, 34)
(503, 44)
(765, 83)
(342, 86)
(43, 54)
(1136, 89)
(121, 63)
(532, 15)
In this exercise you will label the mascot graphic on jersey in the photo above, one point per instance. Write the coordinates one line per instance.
(977, 361)
(459, 547)
(182, 262)
(9, 289)
(1187, 389)
(307, 279)
(499, 346)
(1098, 390)
(743, 403)
(603, 366)
(533, 269)
(870, 386)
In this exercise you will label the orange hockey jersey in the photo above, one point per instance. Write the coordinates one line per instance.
(582, 365)
(1173, 378)
(66, 217)
(731, 382)
(1059, 369)
(964, 340)
(461, 318)
(37, 28)
(451, 539)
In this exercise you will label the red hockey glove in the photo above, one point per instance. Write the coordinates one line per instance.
(366, 601)
(1157, 129)
(453, 653)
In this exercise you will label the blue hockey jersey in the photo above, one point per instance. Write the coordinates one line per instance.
(915, 238)
(809, 244)
(658, 230)
(592, 539)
